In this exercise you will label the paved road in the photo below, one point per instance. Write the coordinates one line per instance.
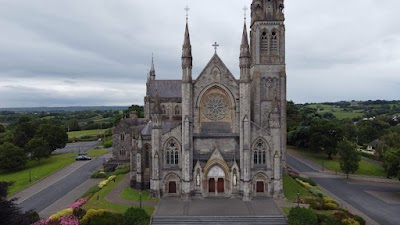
(59, 189)
(81, 147)
(381, 202)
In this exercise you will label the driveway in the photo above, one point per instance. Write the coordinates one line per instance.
(379, 201)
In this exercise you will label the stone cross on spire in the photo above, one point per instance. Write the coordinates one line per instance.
(215, 45)
(187, 12)
(245, 12)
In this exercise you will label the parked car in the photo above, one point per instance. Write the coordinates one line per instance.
(82, 157)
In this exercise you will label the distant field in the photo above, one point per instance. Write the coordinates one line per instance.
(339, 113)
(78, 134)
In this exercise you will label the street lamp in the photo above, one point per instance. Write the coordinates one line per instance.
(140, 199)
(298, 198)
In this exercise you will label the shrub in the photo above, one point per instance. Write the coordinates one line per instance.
(341, 215)
(61, 213)
(326, 220)
(316, 191)
(112, 177)
(302, 216)
(308, 180)
(79, 212)
(121, 169)
(329, 206)
(78, 203)
(107, 144)
(93, 190)
(98, 175)
(136, 216)
(328, 200)
(33, 216)
(304, 184)
(350, 221)
(102, 184)
(69, 220)
(315, 203)
(101, 217)
(359, 219)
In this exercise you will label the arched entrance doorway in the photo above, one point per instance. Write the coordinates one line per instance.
(216, 180)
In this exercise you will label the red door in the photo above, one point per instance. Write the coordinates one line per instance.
(211, 185)
(220, 185)
(260, 186)
(172, 187)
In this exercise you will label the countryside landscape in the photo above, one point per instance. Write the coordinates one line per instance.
(357, 122)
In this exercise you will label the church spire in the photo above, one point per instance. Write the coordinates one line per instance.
(244, 47)
(152, 70)
(187, 58)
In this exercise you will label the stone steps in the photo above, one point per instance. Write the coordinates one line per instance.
(219, 220)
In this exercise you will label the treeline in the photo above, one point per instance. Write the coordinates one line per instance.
(323, 133)
(29, 138)
(75, 120)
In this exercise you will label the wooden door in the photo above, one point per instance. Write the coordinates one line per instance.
(211, 185)
(172, 187)
(260, 186)
(220, 185)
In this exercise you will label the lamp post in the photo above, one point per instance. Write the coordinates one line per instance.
(298, 198)
(140, 199)
(30, 176)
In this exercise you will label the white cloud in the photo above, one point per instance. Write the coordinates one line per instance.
(97, 52)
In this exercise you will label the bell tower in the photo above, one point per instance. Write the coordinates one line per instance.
(268, 80)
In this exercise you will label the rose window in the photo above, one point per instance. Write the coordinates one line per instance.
(215, 107)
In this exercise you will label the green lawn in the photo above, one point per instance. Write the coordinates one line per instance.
(291, 187)
(133, 195)
(365, 168)
(78, 134)
(102, 203)
(97, 152)
(337, 112)
(39, 170)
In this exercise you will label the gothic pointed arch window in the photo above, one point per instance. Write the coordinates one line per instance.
(172, 152)
(147, 151)
(264, 43)
(260, 152)
(163, 110)
(274, 42)
(122, 151)
(122, 136)
(177, 110)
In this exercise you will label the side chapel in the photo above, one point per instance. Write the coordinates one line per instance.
(215, 135)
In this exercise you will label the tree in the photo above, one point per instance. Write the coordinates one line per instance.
(392, 163)
(39, 148)
(12, 157)
(2, 128)
(293, 116)
(349, 157)
(370, 130)
(302, 216)
(25, 130)
(136, 216)
(325, 135)
(54, 135)
(10, 213)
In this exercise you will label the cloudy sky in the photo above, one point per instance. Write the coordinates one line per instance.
(98, 52)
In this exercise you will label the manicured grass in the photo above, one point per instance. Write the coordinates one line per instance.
(39, 170)
(97, 153)
(133, 195)
(102, 203)
(36, 170)
(365, 168)
(77, 134)
(291, 187)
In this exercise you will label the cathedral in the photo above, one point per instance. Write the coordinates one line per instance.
(213, 135)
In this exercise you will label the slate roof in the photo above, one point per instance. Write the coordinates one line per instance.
(166, 88)
(166, 127)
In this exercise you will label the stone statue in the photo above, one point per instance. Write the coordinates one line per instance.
(234, 179)
(198, 180)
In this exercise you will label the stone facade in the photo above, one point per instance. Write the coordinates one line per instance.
(217, 135)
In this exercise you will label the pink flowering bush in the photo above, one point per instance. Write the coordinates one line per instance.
(69, 220)
(46, 222)
(78, 203)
